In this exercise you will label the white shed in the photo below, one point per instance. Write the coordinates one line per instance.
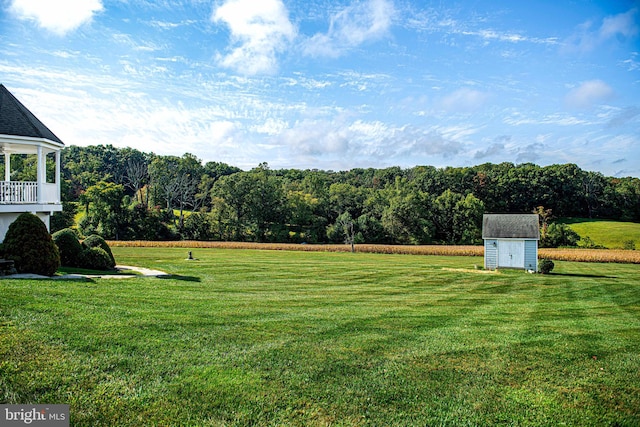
(511, 241)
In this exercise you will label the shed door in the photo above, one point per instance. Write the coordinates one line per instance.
(511, 253)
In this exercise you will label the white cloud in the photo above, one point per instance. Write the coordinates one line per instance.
(632, 64)
(435, 20)
(588, 94)
(492, 35)
(623, 24)
(587, 38)
(317, 137)
(624, 116)
(259, 31)
(339, 141)
(529, 153)
(464, 100)
(415, 143)
(492, 150)
(351, 27)
(166, 25)
(271, 126)
(59, 16)
(556, 119)
(136, 43)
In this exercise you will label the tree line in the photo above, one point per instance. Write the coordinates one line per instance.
(129, 194)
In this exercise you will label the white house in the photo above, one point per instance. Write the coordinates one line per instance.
(511, 241)
(22, 133)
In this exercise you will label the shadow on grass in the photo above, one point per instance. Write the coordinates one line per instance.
(178, 277)
(594, 276)
(74, 279)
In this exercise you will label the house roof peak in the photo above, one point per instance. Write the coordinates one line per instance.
(17, 120)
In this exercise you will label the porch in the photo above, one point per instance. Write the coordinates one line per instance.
(45, 189)
(28, 193)
(30, 157)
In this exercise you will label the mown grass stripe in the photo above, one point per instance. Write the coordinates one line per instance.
(245, 337)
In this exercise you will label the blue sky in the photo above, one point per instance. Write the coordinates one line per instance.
(335, 85)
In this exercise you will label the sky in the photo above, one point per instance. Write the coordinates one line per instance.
(335, 84)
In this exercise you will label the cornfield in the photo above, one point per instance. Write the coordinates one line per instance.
(578, 255)
(591, 255)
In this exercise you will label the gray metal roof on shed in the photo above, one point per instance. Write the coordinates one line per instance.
(510, 226)
(17, 120)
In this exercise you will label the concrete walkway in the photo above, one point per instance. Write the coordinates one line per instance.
(142, 272)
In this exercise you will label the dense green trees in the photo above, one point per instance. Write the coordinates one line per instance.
(127, 194)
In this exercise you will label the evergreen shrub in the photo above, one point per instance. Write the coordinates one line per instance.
(29, 244)
(95, 241)
(545, 266)
(96, 258)
(69, 246)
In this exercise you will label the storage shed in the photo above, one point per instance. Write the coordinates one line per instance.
(511, 241)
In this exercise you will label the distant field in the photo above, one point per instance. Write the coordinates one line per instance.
(265, 338)
(611, 234)
(562, 254)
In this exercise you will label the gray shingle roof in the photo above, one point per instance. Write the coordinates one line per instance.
(510, 226)
(17, 120)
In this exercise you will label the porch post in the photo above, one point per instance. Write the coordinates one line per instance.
(7, 167)
(42, 176)
(58, 158)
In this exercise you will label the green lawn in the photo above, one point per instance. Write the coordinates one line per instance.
(243, 337)
(610, 234)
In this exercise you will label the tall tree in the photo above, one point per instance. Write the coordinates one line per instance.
(458, 218)
(136, 177)
(106, 214)
(233, 191)
(266, 200)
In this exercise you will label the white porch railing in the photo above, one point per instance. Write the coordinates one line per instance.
(20, 192)
(50, 193)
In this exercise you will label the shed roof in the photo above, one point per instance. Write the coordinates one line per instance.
(510, 226)
(17, 120)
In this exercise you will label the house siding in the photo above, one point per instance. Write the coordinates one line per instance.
(6, 219)
(531, 255)
(491, 254)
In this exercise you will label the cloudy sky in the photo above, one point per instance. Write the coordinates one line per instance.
(335, 84)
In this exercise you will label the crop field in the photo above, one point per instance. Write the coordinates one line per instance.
(290, 338)
(561, 254)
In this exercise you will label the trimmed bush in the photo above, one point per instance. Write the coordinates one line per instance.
(29, 244)
(545, 266)
(69, 246)
(96, 258)
(95, 241)
(94, 253)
